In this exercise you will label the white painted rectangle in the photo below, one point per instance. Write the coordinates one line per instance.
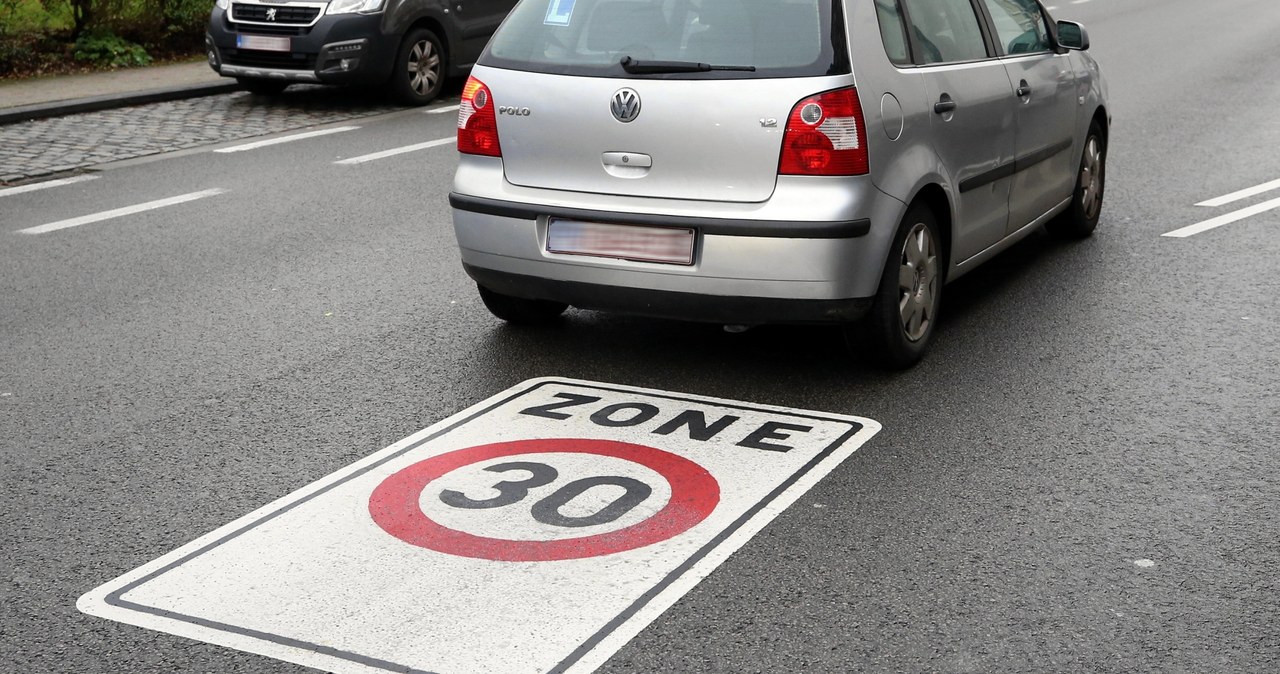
(1221, 220)
(332, 576)
(23, 189)
(121, 212)
(1242, 194)
(284, 139)
(374, 156)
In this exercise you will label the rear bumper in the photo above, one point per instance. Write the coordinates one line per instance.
(790, 229)
(673, 305)
(341, 49)
(752, 263)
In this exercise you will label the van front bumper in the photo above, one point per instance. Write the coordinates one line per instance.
(339, 49)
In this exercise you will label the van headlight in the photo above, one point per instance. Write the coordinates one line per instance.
(223, 4)
(353, 6)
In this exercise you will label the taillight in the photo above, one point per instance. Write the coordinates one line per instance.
(826, 136)
(478, 121)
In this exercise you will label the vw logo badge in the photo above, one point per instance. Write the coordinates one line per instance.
(625, 105)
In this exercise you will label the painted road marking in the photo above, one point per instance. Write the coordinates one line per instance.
(121, 212)
(285, 139)
(21, 189)
(1214, 223)
(690, 495)
(396, 151)
(537, 531)
(1242, 194)
(442, 110)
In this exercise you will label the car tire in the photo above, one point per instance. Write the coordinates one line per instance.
(260, 87)
(519, 310)
(1081, 217)
(420, 67)
(897, 329)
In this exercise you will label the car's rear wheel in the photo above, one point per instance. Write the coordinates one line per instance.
(519, 310)
(1081, 217)
(419, 72)
(261, 87)
(897, 330)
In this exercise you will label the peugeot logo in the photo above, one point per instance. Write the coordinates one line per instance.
(625, 105)
(271, 14)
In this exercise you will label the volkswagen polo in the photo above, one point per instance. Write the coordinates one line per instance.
(771, 161)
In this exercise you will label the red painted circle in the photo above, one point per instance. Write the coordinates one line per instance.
(394, 503)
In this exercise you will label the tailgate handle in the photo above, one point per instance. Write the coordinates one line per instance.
(628, 159)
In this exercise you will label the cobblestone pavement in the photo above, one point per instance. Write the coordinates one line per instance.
(43, 147)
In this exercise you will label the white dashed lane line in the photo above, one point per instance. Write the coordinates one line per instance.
(1242, 194)
(121, 212)
(285, 139)
(440, 111)
(8, 191)
(396, 151)
(1214, 223)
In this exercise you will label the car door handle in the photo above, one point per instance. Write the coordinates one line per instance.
(944, 105)
(1024, 89)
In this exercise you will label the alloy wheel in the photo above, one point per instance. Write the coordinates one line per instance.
(424, 67)
(917, 282)
(1091, 179)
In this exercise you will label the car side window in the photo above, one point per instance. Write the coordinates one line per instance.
(893, 31)
(1020, 26)
(946, 30)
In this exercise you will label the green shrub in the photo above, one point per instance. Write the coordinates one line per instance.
(187, 16)
(51, 36)
(108, 49)
(30, 54)
(19, 17)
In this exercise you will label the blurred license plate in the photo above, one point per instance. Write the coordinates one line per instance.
(263, 43)
(624, 242)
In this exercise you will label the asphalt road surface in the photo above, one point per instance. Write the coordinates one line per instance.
(1082, 476)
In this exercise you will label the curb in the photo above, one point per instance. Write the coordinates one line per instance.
(95, 103)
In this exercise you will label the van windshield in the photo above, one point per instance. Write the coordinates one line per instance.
(754, 38)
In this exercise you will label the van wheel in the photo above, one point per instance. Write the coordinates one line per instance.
(418, 75)
(519, 310)
(1081, 217)
(904, 311)
(259, 87)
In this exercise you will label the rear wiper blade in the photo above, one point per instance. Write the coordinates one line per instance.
(641, 67)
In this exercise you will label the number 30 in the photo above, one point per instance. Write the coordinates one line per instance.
(547, 510)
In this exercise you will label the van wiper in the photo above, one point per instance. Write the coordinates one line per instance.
(641, 67)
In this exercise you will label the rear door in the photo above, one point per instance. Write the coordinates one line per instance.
(973, 121)
(1044, 82)
(573, 118)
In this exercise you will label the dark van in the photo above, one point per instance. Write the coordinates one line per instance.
(407, 46)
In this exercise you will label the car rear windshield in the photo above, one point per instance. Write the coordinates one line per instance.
(669, 38)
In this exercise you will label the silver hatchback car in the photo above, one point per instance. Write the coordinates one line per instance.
(771, 161)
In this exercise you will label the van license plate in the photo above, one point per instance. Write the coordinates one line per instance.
(624, 242)
(263, 43)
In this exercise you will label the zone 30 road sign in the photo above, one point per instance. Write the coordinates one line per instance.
(537, 531)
